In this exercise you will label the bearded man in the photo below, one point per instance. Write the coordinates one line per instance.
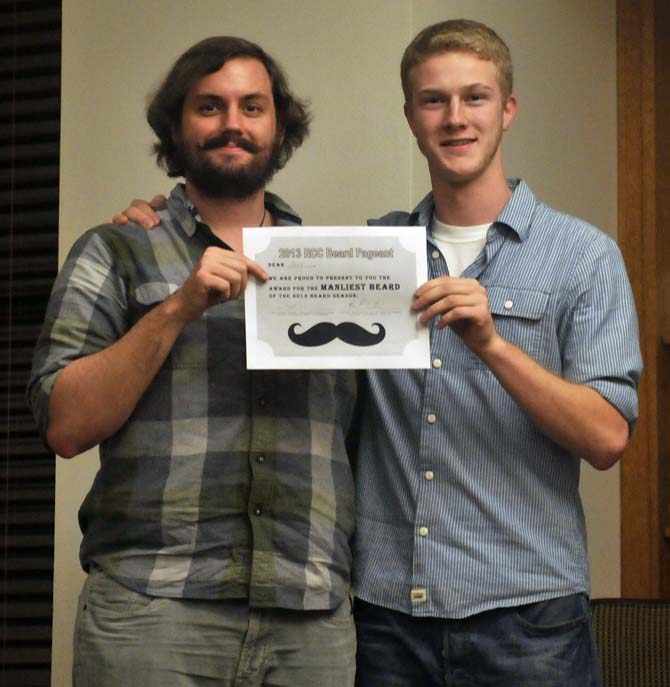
(216, 533)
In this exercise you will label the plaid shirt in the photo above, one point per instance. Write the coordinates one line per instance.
(224, 482)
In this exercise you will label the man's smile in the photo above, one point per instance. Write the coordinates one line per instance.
(455, 142)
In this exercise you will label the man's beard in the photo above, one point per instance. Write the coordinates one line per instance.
(228, 180)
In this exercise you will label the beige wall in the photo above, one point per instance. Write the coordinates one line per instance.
(360, 159)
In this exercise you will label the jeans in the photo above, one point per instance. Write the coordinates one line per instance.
(544, 644)
(126, 639)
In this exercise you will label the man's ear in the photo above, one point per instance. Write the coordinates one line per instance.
(509, 111)
(407, 109)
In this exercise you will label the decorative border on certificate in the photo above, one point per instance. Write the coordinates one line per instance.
(337, 297)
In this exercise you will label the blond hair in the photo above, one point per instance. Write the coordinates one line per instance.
(458, 35)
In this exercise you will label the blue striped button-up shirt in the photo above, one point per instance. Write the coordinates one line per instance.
(463, 505)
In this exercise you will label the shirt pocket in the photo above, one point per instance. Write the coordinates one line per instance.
(519, 317)
(187, 349)
(153, 293)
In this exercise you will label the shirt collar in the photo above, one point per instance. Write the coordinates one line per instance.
(517, 214)
(186, 213)
(519, 210)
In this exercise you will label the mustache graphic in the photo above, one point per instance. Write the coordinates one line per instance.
(230, 137)
(325, 332)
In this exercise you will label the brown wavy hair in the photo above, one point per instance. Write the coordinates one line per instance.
(164, 111)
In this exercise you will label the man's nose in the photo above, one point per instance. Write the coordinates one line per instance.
(453, 116)
(231, 119)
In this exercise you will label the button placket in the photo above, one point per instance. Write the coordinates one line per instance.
(263, 440)
(426, 486)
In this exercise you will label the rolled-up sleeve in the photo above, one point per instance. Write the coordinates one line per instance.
(85, 314)
(600, 337)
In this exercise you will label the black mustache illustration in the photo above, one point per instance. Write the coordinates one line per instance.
(325, 332)
(230, 137)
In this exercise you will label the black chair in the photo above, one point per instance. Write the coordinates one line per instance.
(633, 639)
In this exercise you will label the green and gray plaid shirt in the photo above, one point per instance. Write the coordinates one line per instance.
(224, 482)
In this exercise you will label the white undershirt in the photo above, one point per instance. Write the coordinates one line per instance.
(459, 245)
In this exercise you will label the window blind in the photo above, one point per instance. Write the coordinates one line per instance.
(30, 45)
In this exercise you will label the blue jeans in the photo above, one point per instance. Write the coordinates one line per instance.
(544, 644)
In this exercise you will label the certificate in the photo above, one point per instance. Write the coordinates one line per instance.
(337, 297)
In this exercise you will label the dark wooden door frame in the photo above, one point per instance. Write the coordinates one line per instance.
(643, 50)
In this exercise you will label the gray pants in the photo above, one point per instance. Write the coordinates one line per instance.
(126, 639)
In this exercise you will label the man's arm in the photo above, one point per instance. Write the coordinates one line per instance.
(94, 395)
(573, 415)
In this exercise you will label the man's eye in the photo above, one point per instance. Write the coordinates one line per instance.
(433, 100)
(253, 108)
(207, 108)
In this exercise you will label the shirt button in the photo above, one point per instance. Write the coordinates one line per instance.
(432, 419)
(258, 510)
(423, 531)
(508, 305)
(437, 362)
(260, 459)
(429, 475)
(261, 402)
(435, 254)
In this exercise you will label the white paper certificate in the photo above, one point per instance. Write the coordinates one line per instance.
(337, 297)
